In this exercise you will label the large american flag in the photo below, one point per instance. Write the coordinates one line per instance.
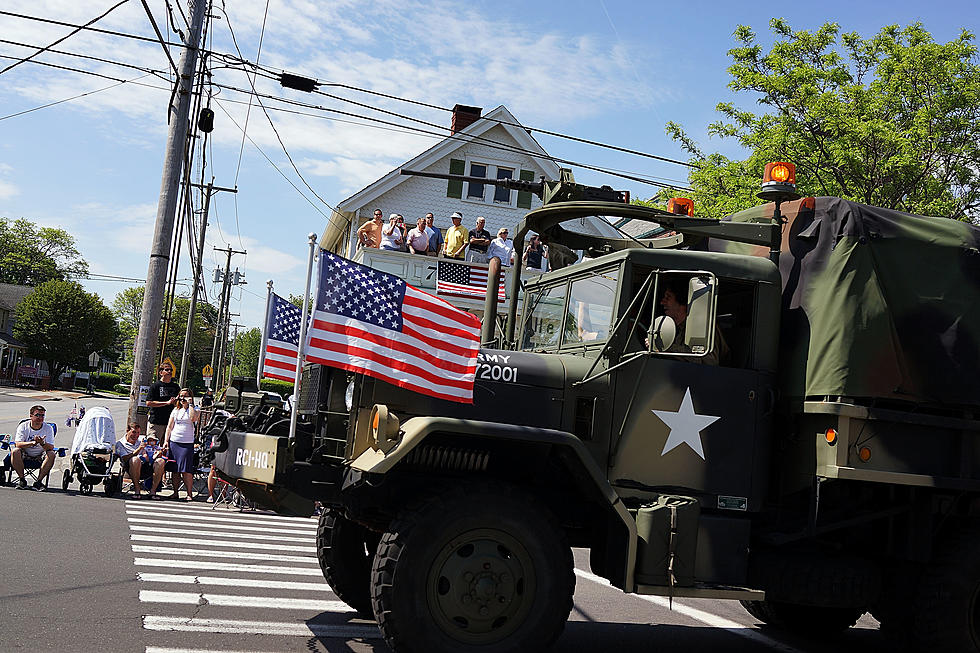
(281, 339)
(462, 280)
(374, 323)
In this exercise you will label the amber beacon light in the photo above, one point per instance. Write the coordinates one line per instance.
(779, 182)
(680, 206)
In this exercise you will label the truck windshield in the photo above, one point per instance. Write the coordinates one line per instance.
(585, 317)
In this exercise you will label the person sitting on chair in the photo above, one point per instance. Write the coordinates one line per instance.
(34, 441)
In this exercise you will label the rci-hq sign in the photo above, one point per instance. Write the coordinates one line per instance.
(250, 456)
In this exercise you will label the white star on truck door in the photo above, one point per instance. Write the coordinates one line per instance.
(685, 426)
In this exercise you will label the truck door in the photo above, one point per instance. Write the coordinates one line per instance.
(694, 418)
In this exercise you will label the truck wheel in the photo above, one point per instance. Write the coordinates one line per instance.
(948, 600)
(345, 550)
(805, 619)
(487, 570)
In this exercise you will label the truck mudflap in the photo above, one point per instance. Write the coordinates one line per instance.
(259, 465)
(385, 455)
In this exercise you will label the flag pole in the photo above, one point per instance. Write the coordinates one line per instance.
(301, 354)
(265, 333)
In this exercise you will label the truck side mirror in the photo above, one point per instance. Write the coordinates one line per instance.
(662, 333)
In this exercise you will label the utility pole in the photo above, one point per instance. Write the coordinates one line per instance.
(220, 333)
(156, 275)
(209, 190)
(234, 342)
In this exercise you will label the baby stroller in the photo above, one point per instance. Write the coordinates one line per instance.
(93, 453)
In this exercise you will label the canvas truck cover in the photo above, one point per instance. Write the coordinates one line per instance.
(877, 304)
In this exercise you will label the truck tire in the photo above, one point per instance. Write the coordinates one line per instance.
(807, 620)
(948, 598)
(486, 570)
(344, 550)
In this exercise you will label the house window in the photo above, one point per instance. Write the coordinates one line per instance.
(488, 193)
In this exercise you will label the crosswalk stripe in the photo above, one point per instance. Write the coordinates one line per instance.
(268, 546)
(238, 601)
(209, 507)
(226, 566)
(219, 581)
(238, 555)
(230, 626)
(227, 519)
(298, 522)
(165, 649)
(190, 531)
(264, 529)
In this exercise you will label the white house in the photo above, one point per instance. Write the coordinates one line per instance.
(492, 146)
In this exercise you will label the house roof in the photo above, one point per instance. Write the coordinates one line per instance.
(500, 116)
(10, 341)
(12, 294)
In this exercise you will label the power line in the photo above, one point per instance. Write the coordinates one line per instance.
(160, 37)
(74, 97)
(67, 36)
(159, 73)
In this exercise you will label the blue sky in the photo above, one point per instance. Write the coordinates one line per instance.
(607, 70)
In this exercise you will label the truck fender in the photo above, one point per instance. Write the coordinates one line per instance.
(415, 430)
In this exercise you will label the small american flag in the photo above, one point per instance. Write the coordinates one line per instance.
(374, 323)
(462, 280)
(281, 340)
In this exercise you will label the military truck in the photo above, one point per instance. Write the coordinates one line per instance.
(781, 412)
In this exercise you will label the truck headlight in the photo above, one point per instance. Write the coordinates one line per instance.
(349, 395)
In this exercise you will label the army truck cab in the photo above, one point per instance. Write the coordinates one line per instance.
(744, 418)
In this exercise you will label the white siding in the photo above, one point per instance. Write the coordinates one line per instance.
(416, 196)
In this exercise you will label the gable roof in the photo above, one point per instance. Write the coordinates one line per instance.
(497, 117)
(12, 294)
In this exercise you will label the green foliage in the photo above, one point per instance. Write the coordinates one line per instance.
(30, 255)
(892, 120)
(121, 389)
(105, 380)
(285, 388)
(247, 346)
(62, 324)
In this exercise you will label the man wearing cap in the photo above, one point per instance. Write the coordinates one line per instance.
(456, 237)
(434, 234)
(502, 247)
(479, 242)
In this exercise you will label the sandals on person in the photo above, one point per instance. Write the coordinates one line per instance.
(136, 497)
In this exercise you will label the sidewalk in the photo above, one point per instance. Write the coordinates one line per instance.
(52, 395)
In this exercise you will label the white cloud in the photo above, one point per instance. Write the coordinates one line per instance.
(7, 190)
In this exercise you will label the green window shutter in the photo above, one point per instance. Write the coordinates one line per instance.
(523, 196)
(455, 187)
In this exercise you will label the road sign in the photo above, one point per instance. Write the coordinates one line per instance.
(207, 381)
(208, 371)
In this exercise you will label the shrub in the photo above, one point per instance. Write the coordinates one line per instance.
(105, 380)
(121, 388)
(285, 388)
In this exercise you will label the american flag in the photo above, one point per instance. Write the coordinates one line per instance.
(374, 323)
(462, 280)
(281, 339)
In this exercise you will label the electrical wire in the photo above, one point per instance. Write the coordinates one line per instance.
(159, 73)
(67, 36)
(74, 97)
(156, 29)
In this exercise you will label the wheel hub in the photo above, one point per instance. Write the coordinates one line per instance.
(481, 586)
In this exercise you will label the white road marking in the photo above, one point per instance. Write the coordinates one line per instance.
(706, 618)
(236, 601)
(189, 531)
(220, 581)
(220, 519)
(266, 546)
(151, 622)
(260, 528)
(226, 566)
(162, 649)
(205, 510)
(238, 555)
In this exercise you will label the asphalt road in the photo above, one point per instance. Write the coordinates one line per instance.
(113, 574)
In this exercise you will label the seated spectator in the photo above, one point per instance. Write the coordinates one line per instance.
(502, 247)
(417, 239)
(34, 441)
(130, 450)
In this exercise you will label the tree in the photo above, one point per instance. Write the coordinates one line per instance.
(247, 347)
(62, 324)
(893, 120)
(30, 255)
